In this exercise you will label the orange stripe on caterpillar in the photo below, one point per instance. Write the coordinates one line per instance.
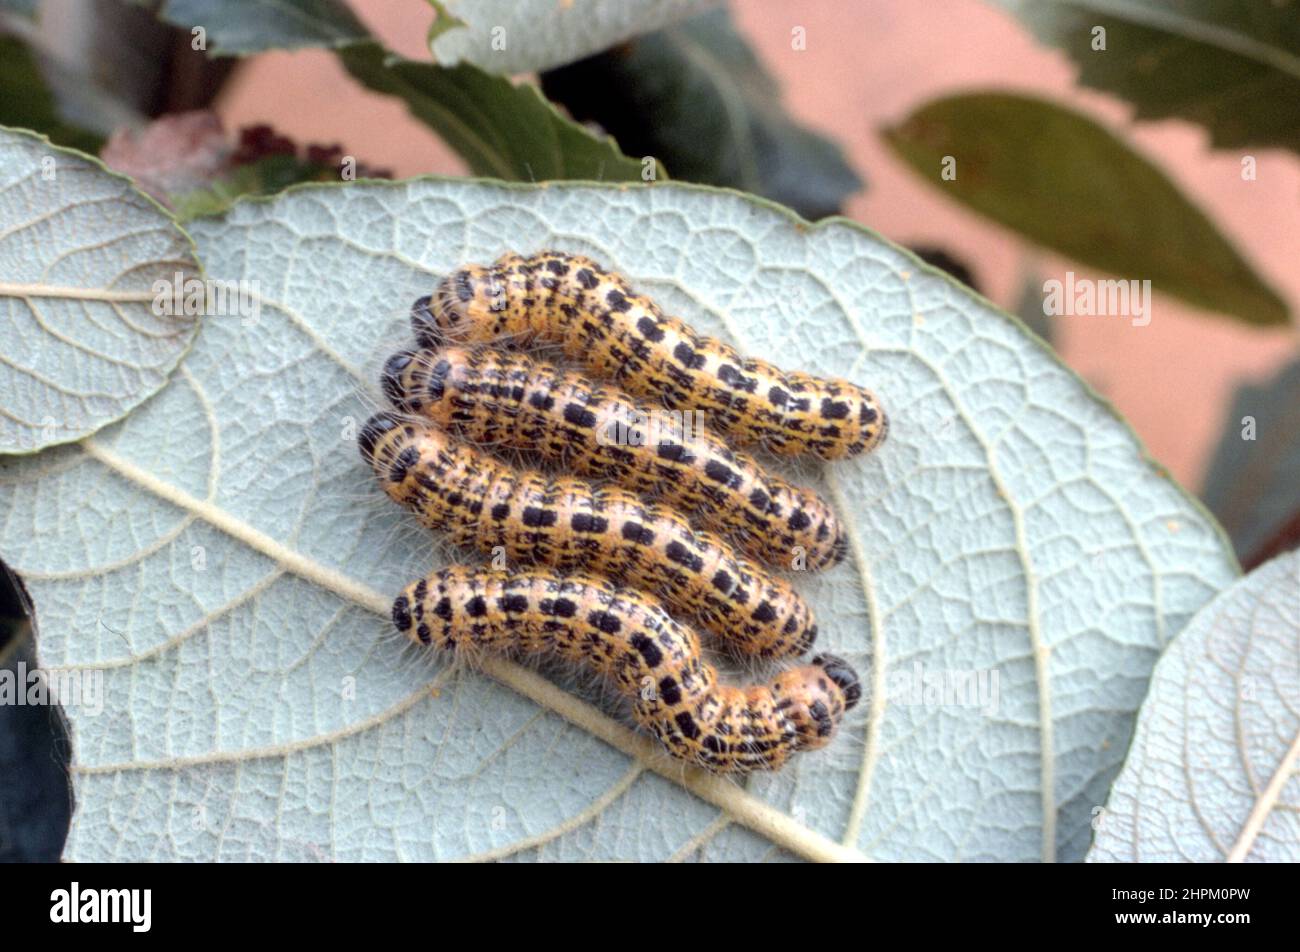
(624, 336)
(629, 639)
(508, 398)
(570, 525)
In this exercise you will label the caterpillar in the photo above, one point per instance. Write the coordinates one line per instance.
(628, 638)
(508, 398)
(570, 525)
(624, 336)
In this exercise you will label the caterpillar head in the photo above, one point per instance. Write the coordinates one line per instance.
(394, 378)
(395, 447)
(823, 692)
(376, 436)
(416, 381)
(461, 307)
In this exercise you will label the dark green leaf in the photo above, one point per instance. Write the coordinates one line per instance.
(1062, 180)
(27, 103)
(501, 130)
(696, 97)
(241, 27)
(1232, 66)
(263, 177)
(1253, 486)
(948, 263)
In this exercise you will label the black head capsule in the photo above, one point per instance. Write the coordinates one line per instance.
(372, 431)
(392, 377)
(402, 614)
(839, 671)
(423, 324)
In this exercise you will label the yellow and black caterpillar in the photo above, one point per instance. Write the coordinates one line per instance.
(623, 336)
(570, 525)
(503, 397)
(626, 637)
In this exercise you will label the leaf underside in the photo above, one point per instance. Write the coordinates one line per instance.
(224, 559)
(80, 251)
(1214, 772)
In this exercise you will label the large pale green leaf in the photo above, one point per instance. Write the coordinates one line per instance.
(1214, 772)
(1232, 66)
(519, 36)
(258, 704)
(1062, 180)
(80, 250)
(500, 129)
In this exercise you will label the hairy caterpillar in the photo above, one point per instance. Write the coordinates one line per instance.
(623, 336)
(496, 397)
(571, 525)
(628, 638)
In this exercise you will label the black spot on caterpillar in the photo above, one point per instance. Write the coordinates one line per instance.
(629, 639)
(507, 398)
(623, 336)
(570, 525)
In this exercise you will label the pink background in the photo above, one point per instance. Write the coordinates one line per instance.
(869, 68)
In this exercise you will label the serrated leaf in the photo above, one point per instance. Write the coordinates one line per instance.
(261, 707)
(1232, 67)
(717, 115)
(501, 130)
(520, 36)
(1253, 482)
(243, 27)
(1214, 772)
(80, 250)
(1060, 179)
